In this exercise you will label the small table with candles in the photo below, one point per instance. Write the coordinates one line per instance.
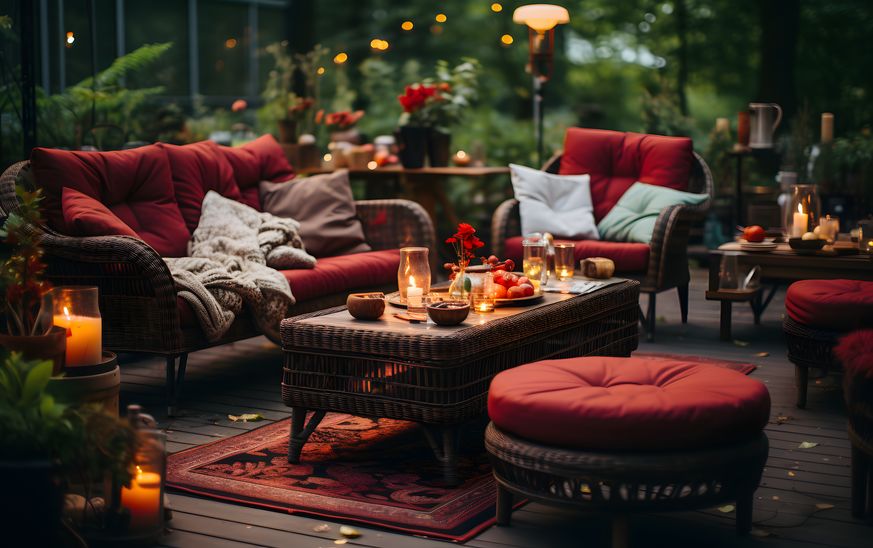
(439, 376)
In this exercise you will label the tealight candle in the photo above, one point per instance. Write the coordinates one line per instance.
(414, 295)
(462, 159)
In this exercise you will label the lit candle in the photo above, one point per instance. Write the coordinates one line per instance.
(722, 125)
(84, 338)
(827, 127)
(143, 499)
(462, 159)
(414, 294)
(801, 222)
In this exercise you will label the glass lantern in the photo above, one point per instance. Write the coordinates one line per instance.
(482, 292)
(865, 237)
(413, 275)
(564, 260)
(802, 211)
(142, 502)
(77, 309)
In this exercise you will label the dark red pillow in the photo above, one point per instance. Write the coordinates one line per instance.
(134, 184)
(616, 160)
(196, 169)
(260, 160)
(85, 216)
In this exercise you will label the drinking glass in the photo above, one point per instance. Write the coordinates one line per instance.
(829, 227)
(482, 294)
(727, 274)
(534, 262)
(564, 259)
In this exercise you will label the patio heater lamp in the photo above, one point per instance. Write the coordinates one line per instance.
(541, 20)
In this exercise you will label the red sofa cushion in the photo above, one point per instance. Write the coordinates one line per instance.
(196, 169)
(628, 256)
(617, 404)
(616, 160)
(260, 160)
(85, 216)
(134, 184)
(344, 273)
(834, 305)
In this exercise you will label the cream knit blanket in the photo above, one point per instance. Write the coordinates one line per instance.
(232, 263)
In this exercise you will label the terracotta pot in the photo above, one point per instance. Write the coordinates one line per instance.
(438, 144)
(51, 346)
(287, 131)
(412, 142)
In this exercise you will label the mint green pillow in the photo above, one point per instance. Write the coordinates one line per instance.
(633, 217)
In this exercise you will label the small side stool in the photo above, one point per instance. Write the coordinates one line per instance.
(625, 435)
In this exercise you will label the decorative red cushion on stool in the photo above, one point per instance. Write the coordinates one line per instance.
(600, 403)
(834, 305)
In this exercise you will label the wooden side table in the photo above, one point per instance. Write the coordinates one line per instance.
(728, 297)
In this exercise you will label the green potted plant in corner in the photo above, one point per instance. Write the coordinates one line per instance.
(26, 324)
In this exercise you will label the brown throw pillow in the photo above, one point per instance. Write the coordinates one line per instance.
(325, 209)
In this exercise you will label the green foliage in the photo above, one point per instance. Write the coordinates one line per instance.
(661, 112)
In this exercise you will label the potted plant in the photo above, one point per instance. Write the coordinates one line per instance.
(47, 447)
(26, 325)
(279, 97)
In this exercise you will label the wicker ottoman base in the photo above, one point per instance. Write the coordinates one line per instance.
(809, 347)
(623, 483)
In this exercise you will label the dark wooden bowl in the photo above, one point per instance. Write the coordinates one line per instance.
(448, 312)
(366, 306)
(799, 244)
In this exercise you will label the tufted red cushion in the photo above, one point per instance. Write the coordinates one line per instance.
(134, 184)
(836, 305)
(196, 169)
(260, 160)
(644, 404)
(628, 256)
(345, 273)
(616, 160)
(85, 216)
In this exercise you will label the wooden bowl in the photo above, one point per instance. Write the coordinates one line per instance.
(366, 306)
(448, 312)
(799, 244)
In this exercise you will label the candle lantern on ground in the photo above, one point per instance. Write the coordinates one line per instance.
(77, 310)
(413, 276)
(142, 502)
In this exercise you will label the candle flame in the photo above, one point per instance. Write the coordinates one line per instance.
(67, 312)
(412, 281)
(800, 208)
(138, 471)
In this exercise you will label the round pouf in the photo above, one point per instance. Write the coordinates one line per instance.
(626, 435)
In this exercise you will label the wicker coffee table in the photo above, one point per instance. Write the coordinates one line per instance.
(439, 376)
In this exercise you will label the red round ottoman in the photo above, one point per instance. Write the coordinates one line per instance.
(817, 314)
(626, 435)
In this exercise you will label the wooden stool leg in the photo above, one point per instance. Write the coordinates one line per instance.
(725, 323)
(620, 531)
(745, 503)
(504, 505)
(650, 318)
(801, 374)
(860, 479)
(683, 301)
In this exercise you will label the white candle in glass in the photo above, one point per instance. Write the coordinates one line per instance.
(800, 223)
(413, 294)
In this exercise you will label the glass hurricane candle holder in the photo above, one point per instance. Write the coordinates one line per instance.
(802, 210)
(413, 275)
(564, 260)
(865, 237)
(77, 309)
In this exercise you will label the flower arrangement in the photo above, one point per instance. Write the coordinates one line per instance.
(338, 121)
(300, 107)
(442, 101)
(465, 243)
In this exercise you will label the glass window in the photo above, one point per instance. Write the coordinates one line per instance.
(223, 38)
(160, 21)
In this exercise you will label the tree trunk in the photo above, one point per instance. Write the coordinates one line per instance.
(779, 26)
(681, 12)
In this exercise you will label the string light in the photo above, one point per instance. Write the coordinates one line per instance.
(319, 71)
(379, 44)
(496, 7)
(230, 43)
(70, 39)
(372, 164)
(440, 18)
(506, 39)
(341, 58)
(407, 25)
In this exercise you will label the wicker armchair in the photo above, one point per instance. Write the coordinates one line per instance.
(668, 259)
(137, 293)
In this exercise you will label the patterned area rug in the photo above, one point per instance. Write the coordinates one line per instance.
(375, 472)
(743, 367)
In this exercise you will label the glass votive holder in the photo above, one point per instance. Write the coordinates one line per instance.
(829, 228)
(482, 295)
(77, 309)
(728, 275)
(564, 260)
(534, 259)
(865, 236)
(143, 500)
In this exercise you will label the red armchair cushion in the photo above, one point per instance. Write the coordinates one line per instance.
(344, 273)
(134, 184)
(260, 160)
(616, 404)
(85, 216)
(629, 257)
(198, 168)
(616, 160)
(834, 305)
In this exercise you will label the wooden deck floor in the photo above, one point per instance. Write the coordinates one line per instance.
(244, 377)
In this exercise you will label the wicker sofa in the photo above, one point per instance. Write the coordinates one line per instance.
(138, 301)
(615, 161)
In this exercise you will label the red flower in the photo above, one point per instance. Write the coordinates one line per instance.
(451, 240)
(415, 96)
(239, 105)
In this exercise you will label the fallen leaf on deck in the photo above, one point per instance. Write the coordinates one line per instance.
(661, 319)
(762, 354)
(791, 474)
(246, 417)
(823, 506)
(323, 528)
(740, 343)
(349, 532)
(775, 497)
(341, 541)
(807, 445)
(755, 532)
(727, 508)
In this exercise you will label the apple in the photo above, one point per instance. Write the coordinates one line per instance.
(524, 280)
(754, 234)
(499, 292)
(528, 289)
(515, 292)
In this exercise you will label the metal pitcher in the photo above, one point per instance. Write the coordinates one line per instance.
(765, 118)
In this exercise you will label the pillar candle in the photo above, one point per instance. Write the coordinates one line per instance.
(827, 127)
(800, 224)
(413, 297)
(84, 338)
(722, 125)
(143, 500)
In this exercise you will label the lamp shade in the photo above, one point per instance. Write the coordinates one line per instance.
(541, 17)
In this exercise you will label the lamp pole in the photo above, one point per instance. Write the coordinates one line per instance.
(538, 114)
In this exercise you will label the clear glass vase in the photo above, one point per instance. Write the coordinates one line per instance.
(413, 274)
(802, 211)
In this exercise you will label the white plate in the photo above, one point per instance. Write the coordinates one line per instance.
(758, 246)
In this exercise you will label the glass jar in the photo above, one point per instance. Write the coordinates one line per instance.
(564, 260)
(77, 309)
(802, 210)
(534, 259)
(481, 289)
(143, 500)
(413, 274)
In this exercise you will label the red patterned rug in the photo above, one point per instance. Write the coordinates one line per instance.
(743, 367)
(375, 472)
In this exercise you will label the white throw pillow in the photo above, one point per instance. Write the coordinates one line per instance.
(559, 204)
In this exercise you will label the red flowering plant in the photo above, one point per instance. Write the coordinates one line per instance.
(465, 243)
(339, 121)
(299, 108)
(440, 102)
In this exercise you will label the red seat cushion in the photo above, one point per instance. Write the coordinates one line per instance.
(344, 273)
(260, 160)
(835, 305)
(616, 160)
(629, 257)
(134, 184)
(619, 404)
(196, 169)
(85, 216)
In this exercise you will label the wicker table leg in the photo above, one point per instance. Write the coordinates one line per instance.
(300, 431)
(444, 444)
